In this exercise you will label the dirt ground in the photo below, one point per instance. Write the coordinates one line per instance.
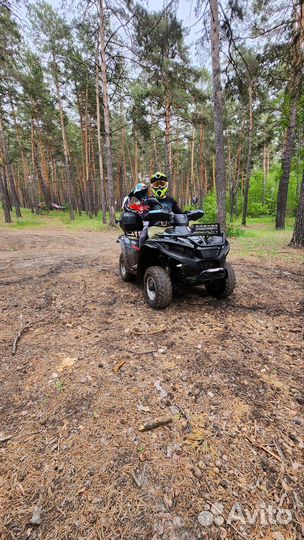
(93, 363)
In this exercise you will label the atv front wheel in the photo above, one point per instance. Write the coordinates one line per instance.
(222, 288)
(157, 287)
(124, 273)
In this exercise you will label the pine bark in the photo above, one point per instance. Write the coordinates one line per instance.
(155, 156)
(25, 169)
(298, 231)
(218, 116)
(213, 174)
(99, 141)
(4, 200)
(64, 140)
(8, 166)
(106, 110)
(135, 160)
(168, 138)
(43, 173)
(202, 177)
(123, 149)
(265, 172)
(192, 175)
(286, 166)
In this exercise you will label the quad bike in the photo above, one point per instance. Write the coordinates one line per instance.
(181, 255)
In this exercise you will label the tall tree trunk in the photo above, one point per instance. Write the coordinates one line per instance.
(8, 165)
(168, 139)
(202, 176)
(153, 123)
(4, 199)
(135, 160)
(66, 152)
(213, 174)
(87, 158)
(25, 168)
(249, 155)
(286, 166)
(123, 149)
(106, 112)
(99, 141)
(34, 179)
(298, 231)
(192, 175)
(176, 159)
(265, 172)
(235, 181)
(82, 127)
(43, 173)
(218, 116)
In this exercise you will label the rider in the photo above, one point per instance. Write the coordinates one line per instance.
(159, 187)
(140, 192)
(142, 206)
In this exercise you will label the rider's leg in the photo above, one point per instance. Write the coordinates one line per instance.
(144, 235)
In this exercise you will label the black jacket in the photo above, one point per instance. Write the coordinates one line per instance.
(169, 203)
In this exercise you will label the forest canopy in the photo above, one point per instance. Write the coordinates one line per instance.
(98, 95)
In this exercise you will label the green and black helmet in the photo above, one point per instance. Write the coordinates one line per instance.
(159, 185)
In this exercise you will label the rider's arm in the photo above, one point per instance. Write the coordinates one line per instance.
(175, 208)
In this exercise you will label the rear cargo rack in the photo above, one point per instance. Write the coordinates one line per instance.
(207, 229)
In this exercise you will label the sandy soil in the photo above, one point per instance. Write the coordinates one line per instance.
(93, 363)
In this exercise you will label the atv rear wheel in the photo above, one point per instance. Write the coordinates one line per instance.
(222, 288)
(157, 287)
(124, 273)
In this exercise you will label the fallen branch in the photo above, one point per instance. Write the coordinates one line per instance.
(18, 336)
(146, 333)
(265, 450)
(23, 329)
(155, 424)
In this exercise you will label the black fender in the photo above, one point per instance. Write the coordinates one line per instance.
(130, 249)
(149, 255)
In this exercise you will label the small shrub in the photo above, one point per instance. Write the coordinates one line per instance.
(233, 230)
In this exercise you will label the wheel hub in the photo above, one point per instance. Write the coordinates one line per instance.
(150, 286)
(123, 269)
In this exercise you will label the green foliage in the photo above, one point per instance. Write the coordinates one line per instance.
(59, 385)
(210, 208)
(263, 202)
(234, 231)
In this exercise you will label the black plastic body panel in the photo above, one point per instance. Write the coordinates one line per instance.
(130, 250)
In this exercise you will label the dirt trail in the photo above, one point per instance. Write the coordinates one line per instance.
(230, 373)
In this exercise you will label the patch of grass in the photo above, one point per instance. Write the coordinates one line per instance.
(54, 219)
(261, 239)
(59, 385)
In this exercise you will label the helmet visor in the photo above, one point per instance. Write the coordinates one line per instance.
(159, 184)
